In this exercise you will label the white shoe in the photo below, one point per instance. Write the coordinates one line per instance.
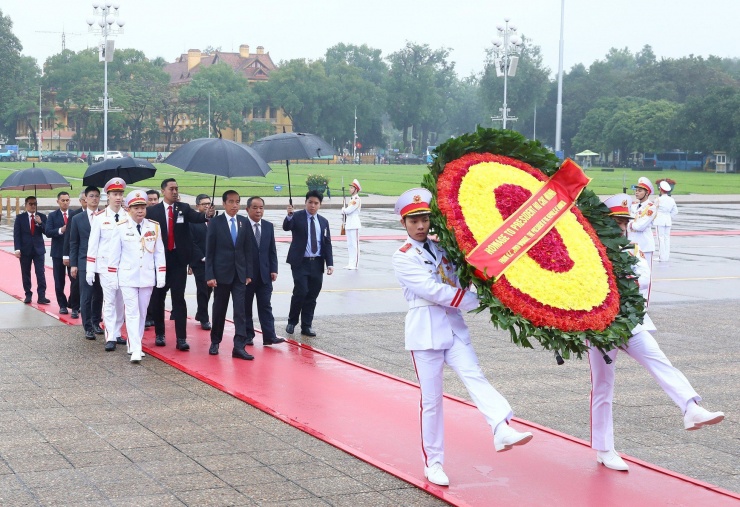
(436, 475)
(610, 459)
(697, 416)
(142, 354)
(136, 357)
(506, 437)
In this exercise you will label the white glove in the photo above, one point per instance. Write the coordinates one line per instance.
(90, 277)
(160, 280)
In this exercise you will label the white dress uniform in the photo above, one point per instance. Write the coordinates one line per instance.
(436, 334)
(667, 209)
(640, 229)
(98, 254)
(352, 226)
(645, 350)
(137, 262)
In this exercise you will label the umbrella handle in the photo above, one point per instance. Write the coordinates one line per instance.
(213, 194)
(290, 194)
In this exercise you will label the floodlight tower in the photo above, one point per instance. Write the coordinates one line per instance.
(105, 21)
(506, 60)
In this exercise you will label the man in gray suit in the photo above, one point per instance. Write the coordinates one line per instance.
(79, 235)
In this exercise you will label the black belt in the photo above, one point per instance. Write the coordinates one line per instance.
(312, 258)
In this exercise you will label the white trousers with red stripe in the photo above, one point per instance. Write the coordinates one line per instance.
(112, 309)
(643, 348)
(136, 300)
(429, 365)
(353, 247)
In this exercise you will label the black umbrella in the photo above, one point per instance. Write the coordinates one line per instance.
(129, 169)
(219, 157)
(36, 178)
(292, 146)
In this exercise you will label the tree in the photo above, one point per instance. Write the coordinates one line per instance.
(10, 73)
(22, 99)
(300, 87)
(711, 123)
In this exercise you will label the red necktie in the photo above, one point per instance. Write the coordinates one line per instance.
(33, 225)
(170, 229)
(65, 217)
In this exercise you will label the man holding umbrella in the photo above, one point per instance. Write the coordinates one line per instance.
(28, 239)
(174, 218)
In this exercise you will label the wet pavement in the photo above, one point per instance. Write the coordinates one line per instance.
(79, 426)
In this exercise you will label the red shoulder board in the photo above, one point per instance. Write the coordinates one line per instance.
(405, 248)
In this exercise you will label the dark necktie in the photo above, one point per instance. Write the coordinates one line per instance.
(314, 243)
(138, 228)
(170, 229)
(257, 234)
(429, 249)
(116, 217)
(33, 225)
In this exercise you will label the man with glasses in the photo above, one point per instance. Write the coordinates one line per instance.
(197, 266)
(28, 240)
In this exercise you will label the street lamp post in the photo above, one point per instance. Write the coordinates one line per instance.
(506, 60)
(105, 21)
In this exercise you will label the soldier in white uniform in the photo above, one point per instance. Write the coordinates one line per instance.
(645, 350)
(351, 213)
(437, 334)
(667, 209)
(137, 264)
(643, 211)
(98, 252)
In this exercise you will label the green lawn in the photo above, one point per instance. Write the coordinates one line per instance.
(375, 179)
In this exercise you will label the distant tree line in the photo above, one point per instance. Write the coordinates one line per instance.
(407, 100)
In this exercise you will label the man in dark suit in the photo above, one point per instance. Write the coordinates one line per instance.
(229, 271)
(265, 270)
(174, 218)
(28, 238)
(309, 251)
(197, 266)
(56, 227)
(91, 297)
(74, 283)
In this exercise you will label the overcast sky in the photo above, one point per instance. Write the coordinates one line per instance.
(302, 29)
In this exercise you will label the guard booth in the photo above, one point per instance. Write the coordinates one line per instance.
(719, 163)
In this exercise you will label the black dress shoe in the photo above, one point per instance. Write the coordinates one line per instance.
(148, 323)
(63, 311)
(120, 340)
(98, 329)
(27, 300)
(213, 350)
(110, 346)
(89, 335)
(159, 340)
(182, 345)
(249, 341)
(43, 301)
(308, 331)
(290, 328)
(75, 314)
(241, 354)
(206, 326)
(274, 341)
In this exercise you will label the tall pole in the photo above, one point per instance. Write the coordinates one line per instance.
(354, 142)
(559, 108)
(506, 73)
(105, 98)
(41, 127)
(209, 115)
(506, 62)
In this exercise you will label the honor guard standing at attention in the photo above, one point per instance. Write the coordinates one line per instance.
(667, 209)
(643, 348)
(137, 263)
(436, 334)
(98, 253)
(351, 214)
(643, 211)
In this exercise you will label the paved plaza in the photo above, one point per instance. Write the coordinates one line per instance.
(79, 426)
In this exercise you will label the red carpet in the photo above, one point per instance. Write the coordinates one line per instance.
(374, 416)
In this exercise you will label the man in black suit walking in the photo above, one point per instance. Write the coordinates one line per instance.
(74, 283)
(91, 297)
(309, 251)
(265, 270)
(28, 238)
(174, 218)
(56, 227)
(229, 271)
(197, 266)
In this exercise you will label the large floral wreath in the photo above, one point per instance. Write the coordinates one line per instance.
(573, 286)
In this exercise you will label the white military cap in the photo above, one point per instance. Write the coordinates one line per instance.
(412, 202)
